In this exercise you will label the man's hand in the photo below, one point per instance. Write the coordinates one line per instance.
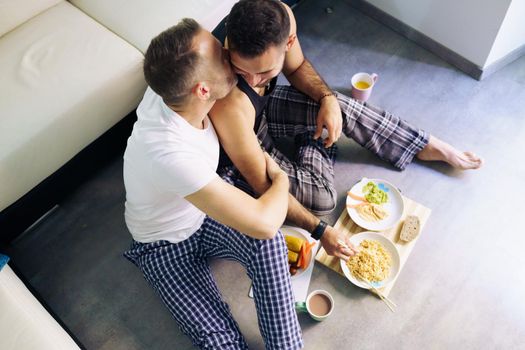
(329, 117)
(330, 241)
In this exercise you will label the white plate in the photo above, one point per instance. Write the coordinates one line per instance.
(394, 206)
(291, 232)
(390, 248)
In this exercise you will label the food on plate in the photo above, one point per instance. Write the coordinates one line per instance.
(371, 263)
(370, 206)
(371, 212)
(410, 228)
(374, 194)
(356, 197)
(292, 257)
(294, 243)
(299, 253)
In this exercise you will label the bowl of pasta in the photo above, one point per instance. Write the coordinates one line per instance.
(377, 261)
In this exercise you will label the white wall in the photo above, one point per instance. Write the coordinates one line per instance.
(511, 34)
(467, 27)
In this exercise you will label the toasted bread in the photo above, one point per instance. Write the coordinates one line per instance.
(410, 228)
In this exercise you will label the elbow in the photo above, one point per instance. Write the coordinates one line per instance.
(262, 232)
(269, 226)
(260, 186)
(268, 232)
(271, 214)
(263, 225)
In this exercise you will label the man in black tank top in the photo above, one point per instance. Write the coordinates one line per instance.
(262, 42)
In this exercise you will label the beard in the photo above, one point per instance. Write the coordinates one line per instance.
(224, 87)
(232, 80)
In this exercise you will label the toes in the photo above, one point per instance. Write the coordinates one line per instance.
(472, 161)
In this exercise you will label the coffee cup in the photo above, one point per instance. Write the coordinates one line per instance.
(319, 305)
(362, 84)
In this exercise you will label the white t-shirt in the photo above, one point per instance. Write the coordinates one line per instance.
(166, 159)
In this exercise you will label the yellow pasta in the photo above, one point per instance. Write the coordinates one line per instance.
(372, 262)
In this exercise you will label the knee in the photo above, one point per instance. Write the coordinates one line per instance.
(323, 202)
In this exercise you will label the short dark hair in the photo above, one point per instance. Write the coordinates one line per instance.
(253, 26)
(171, 63)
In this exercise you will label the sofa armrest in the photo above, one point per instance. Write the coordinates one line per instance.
(24, 322)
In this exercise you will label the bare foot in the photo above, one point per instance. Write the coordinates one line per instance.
(442, 151)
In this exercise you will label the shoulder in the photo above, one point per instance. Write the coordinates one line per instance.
(150, 105)
(293, 23)
(235, 104)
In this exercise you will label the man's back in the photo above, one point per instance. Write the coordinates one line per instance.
(165, 160)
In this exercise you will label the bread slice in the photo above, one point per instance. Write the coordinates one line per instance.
(410, 228)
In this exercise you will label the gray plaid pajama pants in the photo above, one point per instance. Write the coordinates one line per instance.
(181, 276)
(290, 113)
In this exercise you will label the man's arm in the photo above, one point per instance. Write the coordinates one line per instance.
(233, 119)
(302, 75)
(258, 218)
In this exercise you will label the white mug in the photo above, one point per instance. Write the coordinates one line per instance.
(318, 309)
(362, 84)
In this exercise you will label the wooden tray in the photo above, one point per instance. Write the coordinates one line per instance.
(346, 225)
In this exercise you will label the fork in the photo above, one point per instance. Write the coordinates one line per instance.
(383, 297)
(344, 245)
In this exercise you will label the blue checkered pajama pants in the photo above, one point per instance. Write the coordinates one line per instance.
(290, 113)
(181, 276)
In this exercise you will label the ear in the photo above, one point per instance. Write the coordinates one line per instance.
(202, 91)
(291, 41)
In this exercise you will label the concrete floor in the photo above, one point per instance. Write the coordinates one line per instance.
(462, 287)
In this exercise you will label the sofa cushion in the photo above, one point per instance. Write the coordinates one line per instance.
(138, 21)
(15, 12)
(65, 81)
(24, 322)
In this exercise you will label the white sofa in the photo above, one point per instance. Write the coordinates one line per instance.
(70, 70)
(24, 322)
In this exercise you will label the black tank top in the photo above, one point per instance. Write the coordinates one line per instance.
(259, 102)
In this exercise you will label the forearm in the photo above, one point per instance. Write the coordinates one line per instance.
(300, 216)
(297, 214)
(274, 203)
(308, 81)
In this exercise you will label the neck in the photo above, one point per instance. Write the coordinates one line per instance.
(194, 113)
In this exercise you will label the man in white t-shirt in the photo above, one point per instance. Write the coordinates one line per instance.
(180, 212)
